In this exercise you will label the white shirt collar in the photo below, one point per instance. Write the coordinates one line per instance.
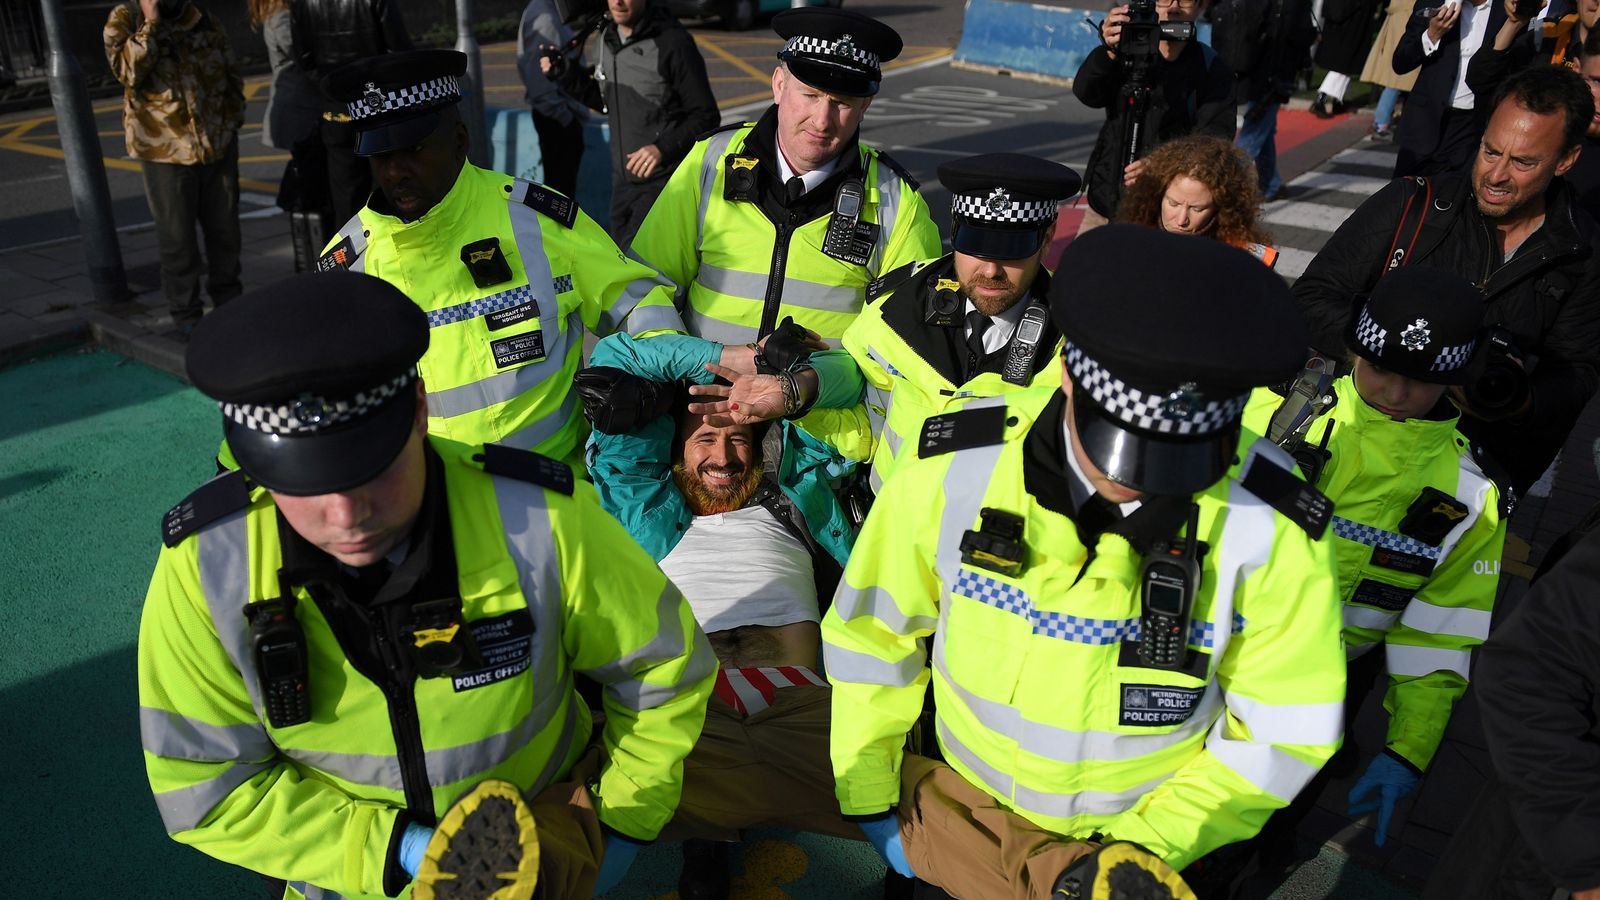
(1001, 327)
(810, 179)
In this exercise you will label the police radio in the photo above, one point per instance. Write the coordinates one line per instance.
(279, 648)
(848, 238)
(1024, 346)
(1168, 582)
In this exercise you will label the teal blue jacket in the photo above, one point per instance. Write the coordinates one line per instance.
(633, 471)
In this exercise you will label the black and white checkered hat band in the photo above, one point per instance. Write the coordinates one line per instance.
(1179, 412)
(842, 49)
(428, 93)
(1370, 334)
(309, 414)
(1002, 211)
(1451, 359)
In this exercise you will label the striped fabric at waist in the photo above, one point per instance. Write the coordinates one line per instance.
(751, 690)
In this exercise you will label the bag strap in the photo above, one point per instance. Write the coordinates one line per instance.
(1409, 228)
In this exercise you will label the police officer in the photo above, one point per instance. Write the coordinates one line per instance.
(1135, 649)
(1417, 526)
(509, 272)
(365, 621)
(972, 323)
(791, 215)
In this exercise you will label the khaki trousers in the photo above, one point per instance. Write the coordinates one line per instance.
(963, 840)
(570, 843)
(769, 770)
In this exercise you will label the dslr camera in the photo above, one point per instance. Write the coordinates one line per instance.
(1502, 389)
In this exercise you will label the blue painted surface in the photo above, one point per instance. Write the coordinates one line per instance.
(1027, 37)
(515, 146)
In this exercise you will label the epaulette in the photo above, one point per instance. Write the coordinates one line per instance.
(1296, 500)
(720, 129)
(963, 429)
(525, 465)
(894, 166)
(342, 255)
(222, 496)
(555, 205)
(892, 279)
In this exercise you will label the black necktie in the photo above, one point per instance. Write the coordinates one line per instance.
(793, 189)
(1094, 517)
(977, 324)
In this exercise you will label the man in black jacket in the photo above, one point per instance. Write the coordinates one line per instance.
(651, 82)
(328, 34)
(1538, 685)
(1513, 229)
(1444, 116)
(1192, 93)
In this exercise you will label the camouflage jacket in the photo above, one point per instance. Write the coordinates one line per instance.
(183, 99)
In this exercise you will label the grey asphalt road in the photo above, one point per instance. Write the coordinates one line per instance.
(926, 112)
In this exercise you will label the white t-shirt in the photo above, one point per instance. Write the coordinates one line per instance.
(743, 568)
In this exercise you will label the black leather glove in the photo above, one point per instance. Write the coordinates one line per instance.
(617, 402)
(785, 349)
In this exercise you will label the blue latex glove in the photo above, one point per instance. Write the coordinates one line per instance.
(884, 833)
(412, 843)
(1392, 780)
(619, 854)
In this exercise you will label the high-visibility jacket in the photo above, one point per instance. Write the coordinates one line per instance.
(908, 367)
(501, 358)
(740, 264)
(550, 585)
(1039, 701)
(1427, 596)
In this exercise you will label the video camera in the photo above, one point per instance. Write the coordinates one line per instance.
(1503, 387)
(1144, 31)
(1141, 40)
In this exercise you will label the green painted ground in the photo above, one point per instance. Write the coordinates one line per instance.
(93, 449)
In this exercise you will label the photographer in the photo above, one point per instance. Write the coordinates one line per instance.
(1190, 90)
(1513, 229)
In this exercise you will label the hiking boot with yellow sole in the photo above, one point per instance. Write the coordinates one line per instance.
(1121, 871)
(485, 848)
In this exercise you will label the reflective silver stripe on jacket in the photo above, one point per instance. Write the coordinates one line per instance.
(714, 329)
(541, 430)
(670, 642)
(502, 386)
(620, 311)
(1059, 805)
(312, 892)
(752, 286)
(888, 184)
(186, 807)
(710, 165)
(525, 518)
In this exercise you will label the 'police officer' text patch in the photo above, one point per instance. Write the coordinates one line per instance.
(507, 650)
(518, 349)
(1158, 704)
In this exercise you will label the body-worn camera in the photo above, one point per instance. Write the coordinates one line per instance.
(1502, 389)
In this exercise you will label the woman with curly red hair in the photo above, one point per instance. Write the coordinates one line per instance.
(1203, 186)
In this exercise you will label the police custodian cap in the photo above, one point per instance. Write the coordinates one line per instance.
(1004, 204)
(836, 50)
(1165, 337)
(1422, 323)
(316, 378)
(395, 99)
